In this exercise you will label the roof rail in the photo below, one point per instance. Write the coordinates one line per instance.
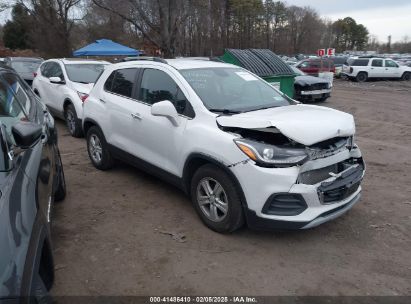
(156, 59)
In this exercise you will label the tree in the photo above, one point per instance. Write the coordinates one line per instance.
(349, 34)
(16, 30)
(157, 20)
(53, 23)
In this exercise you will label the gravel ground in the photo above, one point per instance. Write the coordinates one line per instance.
(124, 232)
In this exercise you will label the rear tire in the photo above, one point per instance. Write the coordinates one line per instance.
(216, 199)
(60, 193)
(98, 149)
(72, 121)
(406, 76)
(361, 77)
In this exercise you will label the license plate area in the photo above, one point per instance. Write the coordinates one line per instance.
(342, 187)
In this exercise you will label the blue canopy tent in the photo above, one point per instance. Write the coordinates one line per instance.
(106, 47)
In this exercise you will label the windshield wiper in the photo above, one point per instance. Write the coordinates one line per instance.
(83, 82)
(225, 111)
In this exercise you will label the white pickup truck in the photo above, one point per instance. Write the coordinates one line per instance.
(361, 69)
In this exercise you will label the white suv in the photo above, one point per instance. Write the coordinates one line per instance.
(242, 150)
(361, 69)
(63, 84)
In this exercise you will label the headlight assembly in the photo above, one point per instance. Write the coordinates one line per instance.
(271, 156)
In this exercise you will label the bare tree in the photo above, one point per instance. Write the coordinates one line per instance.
(53, 23)
(157, 20)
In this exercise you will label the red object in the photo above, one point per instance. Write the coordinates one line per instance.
(34, 74)
(321, 52)
(330, 52)
(83, 98)
(315, 66)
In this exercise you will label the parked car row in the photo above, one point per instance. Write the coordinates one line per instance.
(363, 68)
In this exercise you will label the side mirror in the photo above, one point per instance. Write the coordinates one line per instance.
(166, 108)
(26, 134)
(56, 80)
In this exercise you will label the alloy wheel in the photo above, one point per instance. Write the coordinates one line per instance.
(95, 148)
(71, 121)
(212, 199)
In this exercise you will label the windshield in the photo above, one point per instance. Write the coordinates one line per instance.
(84, 73)
(297, 70)
(232, 90)
(25, 66)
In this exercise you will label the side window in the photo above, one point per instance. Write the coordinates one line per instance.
(19, 103)
(390, 64)
(158, 86)
(123, 82)
(54, 70)
(315, 64)
(45, 69)
(304, 64)
(377, 63)
(109, 82)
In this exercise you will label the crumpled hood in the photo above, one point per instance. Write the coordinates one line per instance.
(83, 87)
(308, 80)
(305, 124)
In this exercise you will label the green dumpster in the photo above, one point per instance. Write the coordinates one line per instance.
(265, 64)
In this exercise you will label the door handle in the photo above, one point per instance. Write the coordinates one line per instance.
(102, 100)
(44, 138)
(136, 116)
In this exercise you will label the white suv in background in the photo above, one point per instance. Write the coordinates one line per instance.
(63, 85)
(361, 69)
(242, 150)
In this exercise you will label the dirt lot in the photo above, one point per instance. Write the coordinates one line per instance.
(110, 234)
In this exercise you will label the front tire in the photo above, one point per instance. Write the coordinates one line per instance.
(216, 199)
(98, 150)
(72, 121)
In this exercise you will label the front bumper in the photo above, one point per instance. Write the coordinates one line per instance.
(260, 184)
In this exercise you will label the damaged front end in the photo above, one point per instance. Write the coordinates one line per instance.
(297, 185)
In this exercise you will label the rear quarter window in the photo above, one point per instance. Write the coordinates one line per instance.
(360, 62)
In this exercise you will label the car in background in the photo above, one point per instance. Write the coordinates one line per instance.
(64, 84)
(26, 67)
(31, 180)
(243, 151)
(310, 88)
(339, 62)
(314, 66)
(363, 68)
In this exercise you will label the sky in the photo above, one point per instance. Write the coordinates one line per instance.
(381, 17)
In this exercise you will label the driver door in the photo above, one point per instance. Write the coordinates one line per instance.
(159, 140)
(392, 69)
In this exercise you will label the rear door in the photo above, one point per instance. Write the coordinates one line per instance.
(377, 68)
(118, 98)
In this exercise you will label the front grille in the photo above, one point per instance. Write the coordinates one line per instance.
(316, 86)
(315, 176)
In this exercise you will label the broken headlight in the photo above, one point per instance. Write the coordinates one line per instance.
(271, 156)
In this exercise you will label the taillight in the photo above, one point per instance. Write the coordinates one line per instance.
(83, 96)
